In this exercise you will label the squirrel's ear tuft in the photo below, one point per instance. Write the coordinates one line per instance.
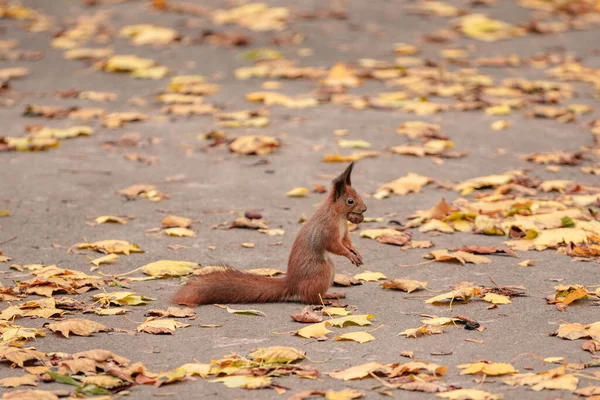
(340, 183)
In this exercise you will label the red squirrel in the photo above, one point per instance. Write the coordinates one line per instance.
(310, 269)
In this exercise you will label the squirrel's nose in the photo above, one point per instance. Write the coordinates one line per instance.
(364, 209)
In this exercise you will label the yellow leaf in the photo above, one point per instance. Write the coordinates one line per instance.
(77, 326)
(64, 133)
(245, 381)
(243, 312)
(463, 294)
(503, 109)
(297, 192)
(496, 298)
(317, 331)
(375, 233)
(121, 298)
(280, 99)
(148, 34)
(335, 311)
(179, 232)
(160, 326)
(579, 331)
(566, 382)
(336, 157)
(527, 263)
(192, 369)
(341, 75)
(481, 27)
(360, 337)
(487, 368)
(436, 225)
(346, 394)
(369, 276)
(169, 268)
(354, 144)
(107, 259)
(360, 320)
(422, 331)
(499, 125)
(29, 143)
(105, 381)
(277, 355)
(272, 232)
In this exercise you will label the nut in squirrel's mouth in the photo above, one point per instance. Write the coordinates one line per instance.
(355, 218)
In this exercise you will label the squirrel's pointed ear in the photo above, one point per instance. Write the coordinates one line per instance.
(340, 183)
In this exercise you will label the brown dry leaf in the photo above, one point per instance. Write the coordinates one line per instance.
(579, 331)
(140, 190)
(307, 315)
(77, 326)
(254, 144)
(160, 326)
(119, 119)
(487, 250)
(345, 280)
(20, 355)
(29, 394)
(460, 256)
(555, 157)
(469, 394)
(24, 380)
(406, 285)
(420, 129)
(411, 183)
(246, 223)
(592, 346)
(110, 219)
(173, 221)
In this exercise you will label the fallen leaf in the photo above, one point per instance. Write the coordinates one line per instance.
(460, 256)
(316, 331)
(307, 315)
(110, 247)
(496, 298)
(469, 394)
(110, 218)
(244, 381)
(179, 232)
(254, 144)
(406, 285)
(297, 192)
(369, 276)
(277, 355)
(169, 268)
(173, 221)
(487, 368)
(78, 327)
(411, 183)
(242, 312)
(160, 326)
(360, 337)
(360, 320)
(464, 294)
(172, 312)
(24, 380)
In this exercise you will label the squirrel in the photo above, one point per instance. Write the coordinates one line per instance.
(310, 269)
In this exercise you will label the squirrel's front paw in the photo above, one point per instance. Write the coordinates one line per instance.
(355, 258)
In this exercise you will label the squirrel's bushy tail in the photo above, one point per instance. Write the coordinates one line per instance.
(231, 286)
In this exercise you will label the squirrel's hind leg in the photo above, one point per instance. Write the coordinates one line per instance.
(312, 291)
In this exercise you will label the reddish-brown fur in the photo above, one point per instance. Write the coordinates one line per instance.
(310, 271)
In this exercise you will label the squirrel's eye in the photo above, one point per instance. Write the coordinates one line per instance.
(350, 201)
